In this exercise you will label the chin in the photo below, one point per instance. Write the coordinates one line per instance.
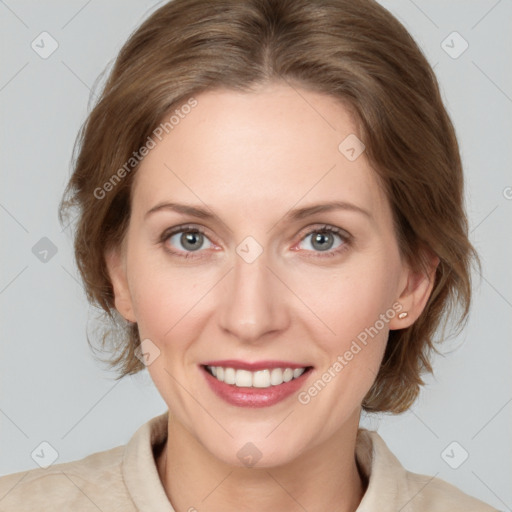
(254, 447)
(246, 454)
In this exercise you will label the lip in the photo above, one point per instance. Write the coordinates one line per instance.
(254, 397)
(255, 366)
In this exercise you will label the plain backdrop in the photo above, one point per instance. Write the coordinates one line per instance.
(52, 390)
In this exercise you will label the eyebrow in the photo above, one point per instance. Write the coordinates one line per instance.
(292, 215)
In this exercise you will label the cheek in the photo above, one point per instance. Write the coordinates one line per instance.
(358, 310)
(355, 304)
(349, 302)
(171, 302)
(154, 301)
(167, 308)
(164, 301)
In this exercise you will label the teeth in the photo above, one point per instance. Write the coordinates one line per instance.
(243, 379)
(229, 376)
(298, 372)
(261, 379)
(276, 377)
(258, 379)
(288, 375)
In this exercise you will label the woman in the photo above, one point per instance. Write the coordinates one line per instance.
(270, 198)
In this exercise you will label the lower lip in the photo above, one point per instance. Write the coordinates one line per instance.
(254, 397)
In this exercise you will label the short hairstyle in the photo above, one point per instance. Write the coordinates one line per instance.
(354, 51)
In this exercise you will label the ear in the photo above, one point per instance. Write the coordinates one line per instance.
(116, 266)
(414, 292)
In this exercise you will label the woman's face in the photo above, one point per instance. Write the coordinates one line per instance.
(261, 283)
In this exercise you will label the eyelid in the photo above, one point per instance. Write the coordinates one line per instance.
(319, 227)
(307, 231)
(183, 228)
(345, 236)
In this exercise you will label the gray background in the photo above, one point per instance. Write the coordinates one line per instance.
(52, 390)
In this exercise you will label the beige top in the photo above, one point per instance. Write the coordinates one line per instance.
(126, 479)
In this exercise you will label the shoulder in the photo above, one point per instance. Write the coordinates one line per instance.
(433, 494)
(392, 487)
(92, 483)
(111, 480)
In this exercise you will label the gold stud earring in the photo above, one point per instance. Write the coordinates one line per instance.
(402, 315)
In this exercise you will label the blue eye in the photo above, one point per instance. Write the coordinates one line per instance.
(323, 239)
(191, 239)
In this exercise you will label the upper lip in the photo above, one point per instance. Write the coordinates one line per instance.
(254, 366)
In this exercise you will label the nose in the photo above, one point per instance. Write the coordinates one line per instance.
(253, 304)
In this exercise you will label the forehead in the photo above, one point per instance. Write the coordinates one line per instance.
(278, 146)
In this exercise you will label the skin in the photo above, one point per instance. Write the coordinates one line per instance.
(250, 158)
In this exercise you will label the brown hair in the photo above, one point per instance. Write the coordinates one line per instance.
(355, 51)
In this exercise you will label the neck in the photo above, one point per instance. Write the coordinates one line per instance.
(326, 477)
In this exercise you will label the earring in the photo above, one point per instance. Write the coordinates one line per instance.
(402, 315)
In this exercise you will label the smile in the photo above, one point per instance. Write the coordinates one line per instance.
(257, 379)
(256, 384)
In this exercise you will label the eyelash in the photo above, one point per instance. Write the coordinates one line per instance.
(325, 228)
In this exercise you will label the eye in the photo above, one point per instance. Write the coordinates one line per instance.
(323, 239)
(184, 241)
(188, 239)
